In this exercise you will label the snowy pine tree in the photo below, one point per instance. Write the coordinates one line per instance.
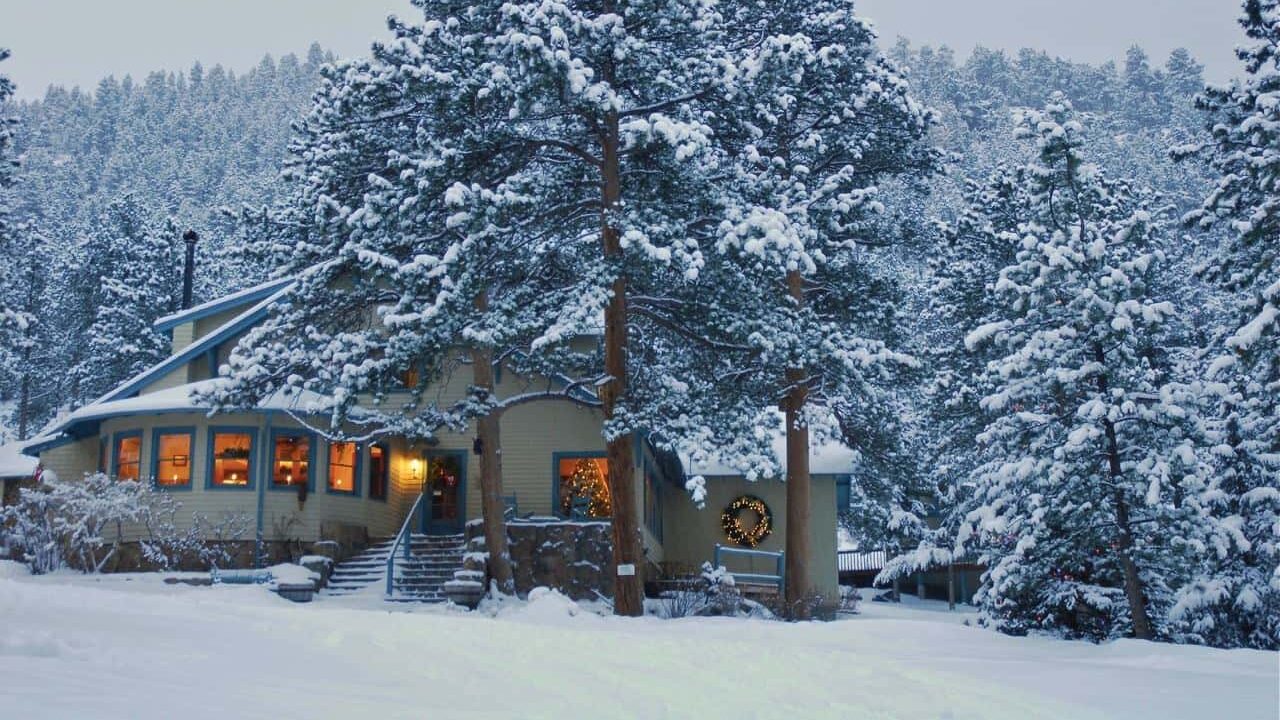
(125, 281)
(1089, 454)
(818, 117)
(1237, 599)
(16, 317)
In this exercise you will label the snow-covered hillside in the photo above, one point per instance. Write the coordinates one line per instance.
(129, 646)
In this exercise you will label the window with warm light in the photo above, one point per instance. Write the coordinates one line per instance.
(409, 378)
(379, 467)
(584, 487)
(173, 457)
(128, 456)
(231, 455)
(342, 467)
(290, 461)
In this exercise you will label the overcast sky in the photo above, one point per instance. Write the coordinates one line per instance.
(77, 42)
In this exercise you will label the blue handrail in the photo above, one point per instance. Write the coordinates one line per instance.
(778, 578)
(403, 539)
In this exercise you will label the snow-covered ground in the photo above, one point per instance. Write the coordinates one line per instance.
(129, 646)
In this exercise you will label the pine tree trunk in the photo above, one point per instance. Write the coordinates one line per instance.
(24, 399)
(24, 394)
(492, 506)
(628, 596)
(798, 482)
(1133, 589)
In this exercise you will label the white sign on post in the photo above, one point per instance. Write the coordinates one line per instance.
(627, 569)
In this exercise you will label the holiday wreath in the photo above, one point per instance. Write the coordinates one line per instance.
(731, 521)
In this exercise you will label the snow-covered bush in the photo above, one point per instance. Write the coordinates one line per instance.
(82, 524)
(85, 512)
(204, 543)
(29, 532)
(722, 594)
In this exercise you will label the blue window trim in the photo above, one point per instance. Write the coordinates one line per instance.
(214, 431)
(386, 470)
(355, 470)
(462, 456)
(556, 457)
(115, 451)
(269, 474)
(188, 430)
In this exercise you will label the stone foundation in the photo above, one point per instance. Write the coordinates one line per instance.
(575, 558)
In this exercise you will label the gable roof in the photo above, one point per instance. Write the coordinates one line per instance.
(226, 302)
(236, 325)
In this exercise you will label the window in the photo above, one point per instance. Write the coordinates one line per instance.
(844, 494)
(290, 460)
(342, 467)
(103, 444)
(171, 460)
(583, 486)
(409, 378)
(128, 456)
(230, 458)
(652, 503)
(379, 466)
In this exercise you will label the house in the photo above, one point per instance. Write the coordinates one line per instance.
(294, 487)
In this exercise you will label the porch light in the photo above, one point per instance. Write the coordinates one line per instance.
(415, 468)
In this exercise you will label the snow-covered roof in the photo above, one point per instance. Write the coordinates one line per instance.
(179, 399)
(226, 302)
(824, 459)
(13, 464)
(173, 400)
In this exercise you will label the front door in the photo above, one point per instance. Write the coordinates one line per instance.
(444, 508)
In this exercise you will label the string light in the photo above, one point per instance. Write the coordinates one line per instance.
(731, 521)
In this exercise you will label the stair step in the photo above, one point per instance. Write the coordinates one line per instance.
(420, 578)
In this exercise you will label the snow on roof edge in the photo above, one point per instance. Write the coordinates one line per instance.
(205, 309)
(824, 459)
(13, 463)
(169, 400)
